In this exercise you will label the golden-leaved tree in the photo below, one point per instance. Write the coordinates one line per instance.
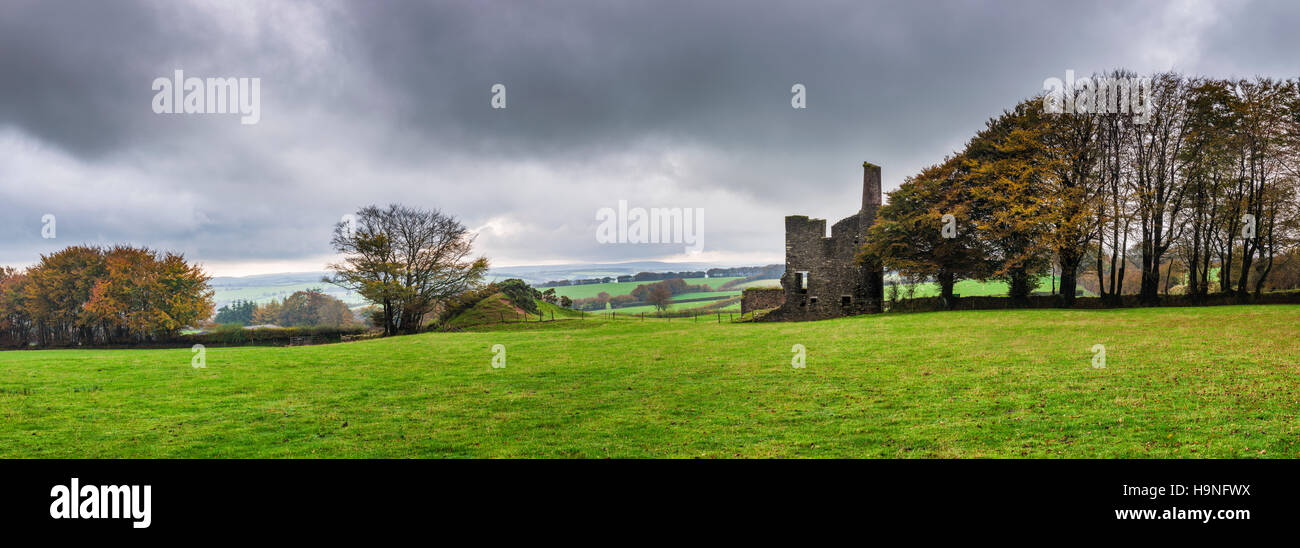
(92, 295)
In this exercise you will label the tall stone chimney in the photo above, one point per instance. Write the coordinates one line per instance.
(873, 275)
(871, 198)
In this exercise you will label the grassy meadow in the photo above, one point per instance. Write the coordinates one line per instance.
(1178, 382)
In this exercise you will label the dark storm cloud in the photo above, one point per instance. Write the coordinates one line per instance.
(676, 104)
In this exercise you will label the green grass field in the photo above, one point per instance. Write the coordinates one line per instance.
(1178, 382)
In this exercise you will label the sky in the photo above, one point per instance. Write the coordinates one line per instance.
(660, 104)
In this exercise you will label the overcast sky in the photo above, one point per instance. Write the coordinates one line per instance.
(661, 104)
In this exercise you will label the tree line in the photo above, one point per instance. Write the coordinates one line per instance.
(408, 262)
(1203, 184)
(96, 295)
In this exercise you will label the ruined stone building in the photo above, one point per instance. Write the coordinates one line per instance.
(822, 278)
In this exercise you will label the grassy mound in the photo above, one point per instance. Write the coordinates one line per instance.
(497, 309)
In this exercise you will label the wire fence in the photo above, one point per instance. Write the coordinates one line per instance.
(549, 316)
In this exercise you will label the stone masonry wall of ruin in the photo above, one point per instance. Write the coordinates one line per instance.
(836, 284)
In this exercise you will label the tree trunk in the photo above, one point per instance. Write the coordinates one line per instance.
(1247, 258)
(1169, 273)
(1019, 279)
(1070, 261)
(389, 326)
(946, 283)
(1150, 289)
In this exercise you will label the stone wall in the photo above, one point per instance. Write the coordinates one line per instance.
(761, 298)
(930, 304)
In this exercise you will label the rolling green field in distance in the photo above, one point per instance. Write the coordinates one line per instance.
(649, 309)
(624, 288)
(706, 294)
(1177, 382)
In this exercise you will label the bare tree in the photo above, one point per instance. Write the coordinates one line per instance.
(1206, 168)
(1157, 188)
(406, 261)
(1113, 200)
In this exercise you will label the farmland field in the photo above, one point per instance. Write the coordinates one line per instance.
(676, 306)
(623, 288)
(1177, 382)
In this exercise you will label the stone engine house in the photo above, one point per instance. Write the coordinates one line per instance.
(822, 279)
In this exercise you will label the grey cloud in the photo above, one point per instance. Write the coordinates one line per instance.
(682, 104)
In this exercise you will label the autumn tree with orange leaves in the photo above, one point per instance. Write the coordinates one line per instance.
(93, 295)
